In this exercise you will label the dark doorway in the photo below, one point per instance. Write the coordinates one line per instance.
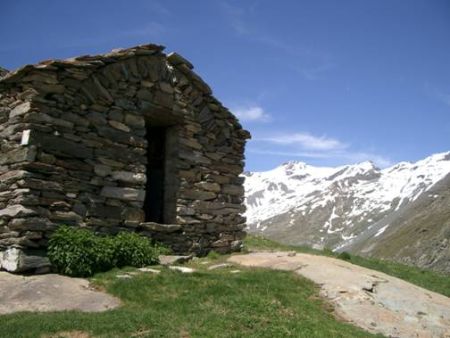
(156, 171)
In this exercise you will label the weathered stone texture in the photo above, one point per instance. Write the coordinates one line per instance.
(73, 150)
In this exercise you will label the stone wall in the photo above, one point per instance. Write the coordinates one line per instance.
(73, 150)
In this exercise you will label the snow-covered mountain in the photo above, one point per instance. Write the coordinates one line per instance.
(300, 204)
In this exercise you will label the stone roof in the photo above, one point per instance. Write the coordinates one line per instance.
(97, 61)
(3, 72)
(80, 67)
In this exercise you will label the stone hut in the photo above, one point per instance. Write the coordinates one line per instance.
(128, 140)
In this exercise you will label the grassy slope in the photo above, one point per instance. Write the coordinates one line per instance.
(427, 279)
(216, 303)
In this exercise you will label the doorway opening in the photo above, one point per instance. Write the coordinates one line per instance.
(160, 198)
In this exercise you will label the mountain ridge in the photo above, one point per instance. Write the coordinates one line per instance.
(299, 204)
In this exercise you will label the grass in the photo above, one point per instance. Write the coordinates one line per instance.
(426, 279)
(207, 303)
(212, 303)
(253, 242)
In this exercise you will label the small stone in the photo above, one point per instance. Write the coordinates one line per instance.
(135, 215)
(165, 87)
(176, 59)
(187, 220)
(17, 211)
(116, 115)
(237, 245)
(65, 216)
(291, 254)
(126, 194)
(20, 109)
(145, 94)
(119, 125)
(149, 270)
(134, 121)
(182, 269)
(16, 260)
(97, 118)
(172, 259)
(186, 211)
(199, 195)
(3, 72)
(214, 187)
(220, 266)
(124, 276)
(102, 170)
(147, 84)
(130, 177)
(158, 227)
(47, 158)
(235, 190)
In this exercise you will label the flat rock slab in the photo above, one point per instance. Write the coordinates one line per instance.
(172, 259)
(182, 269)
(145, 269)
(51, 293)
(372, 300)
(220, 266)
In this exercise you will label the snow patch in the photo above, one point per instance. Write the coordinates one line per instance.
(379, 232)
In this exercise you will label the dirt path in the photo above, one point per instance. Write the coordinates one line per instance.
(51, 293)
(369, 299)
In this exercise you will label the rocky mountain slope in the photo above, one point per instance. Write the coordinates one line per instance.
(418, 234)
(401, 212)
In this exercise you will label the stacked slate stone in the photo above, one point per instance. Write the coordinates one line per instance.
(73, 151)
(3, 72)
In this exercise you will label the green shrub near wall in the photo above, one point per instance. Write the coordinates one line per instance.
(79, 252)
(131, 249)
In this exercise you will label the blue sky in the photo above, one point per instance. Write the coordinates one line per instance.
(324, 82)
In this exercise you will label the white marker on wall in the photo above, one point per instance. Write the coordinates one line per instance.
(25, 137)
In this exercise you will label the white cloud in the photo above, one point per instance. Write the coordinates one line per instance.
(307, 141)
(309, 62)
(331, 156)
(438, 93)
(155, 8)
(289, 153)
(235, 15)
(314, 72)
(251, 114)
(445, 97)
(308, 146)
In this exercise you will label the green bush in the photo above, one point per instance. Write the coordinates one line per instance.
(345, 256)
(131, 249)
(79, 252)
(213, 255)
